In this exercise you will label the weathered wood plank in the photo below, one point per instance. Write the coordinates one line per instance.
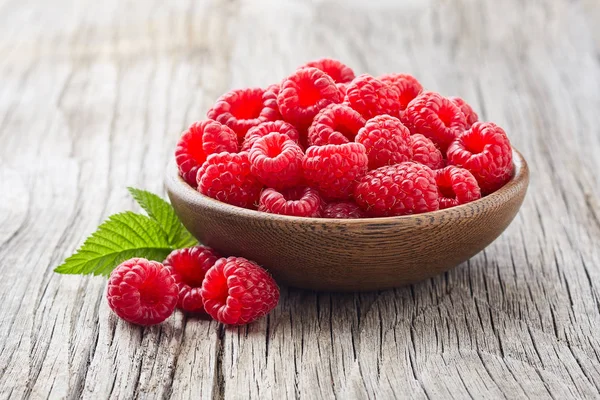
(92, 99)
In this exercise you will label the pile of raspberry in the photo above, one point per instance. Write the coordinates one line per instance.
(233, 290)
(325, 143)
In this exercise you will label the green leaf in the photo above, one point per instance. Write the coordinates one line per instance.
(121, 237)
(163, 213)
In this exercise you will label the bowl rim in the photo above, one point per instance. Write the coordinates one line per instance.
(175, 183)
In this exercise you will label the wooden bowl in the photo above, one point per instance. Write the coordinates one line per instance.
(353, 254)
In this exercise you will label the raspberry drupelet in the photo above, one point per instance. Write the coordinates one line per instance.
(485, 151)
(400, 189)
(456, 186)
(425, 152)
(199, 141)
(338, 71)
(142, 292)
(386, 140)
(304, 93)
(335, 124)
(470, 115)
(276, 161)
(343, 210)
(297, 201)
(371, 97)
(265, 128)
(188, 267)
(227, 178)
(408, 87)
(241, 109)
(335, 168)
(237, 291)
(435, 117)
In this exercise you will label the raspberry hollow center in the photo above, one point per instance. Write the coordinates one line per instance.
(196, 150)
(447, 192)
(347, 131)
(445, 115)
(249, 108)
(273, 149)
(474, 143)
(308, 95)
(150, 293)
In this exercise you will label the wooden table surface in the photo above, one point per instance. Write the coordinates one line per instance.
(93, 96)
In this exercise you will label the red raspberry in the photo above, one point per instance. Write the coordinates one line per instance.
(387, 141)
(343, 88)
(470, 115)
(265, 128)
(188, 267)
(339, 72)
(298, 201)
(345, 210)
(276, 161)
(486, 152)
(371, 97)
(304, 93)
(199, 141)
(435, 117)
(400, 189)
(408, 86)
(425, 152)
(142, 292)
(237, 291)
(227, 178)
(335, 168)
(456, 186)
(335, 124)
(241, 109)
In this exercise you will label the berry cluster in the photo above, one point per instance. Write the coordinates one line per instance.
(326, 143)
(232, 290)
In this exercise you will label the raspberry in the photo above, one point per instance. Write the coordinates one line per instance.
(456, 186)
(470, 115)
(188, 267)
(335, 124)
(400, 189)
(387, 141)
(241, 109)
(335, 168)
(345, 210)
(343, 88)
(371, 97)
(304, 93)
(298, 201)
(276, 161)
(425, 152)
(435, 117)
(142, 292)
(408, 86)
(227, 178)
(199, 141)
(236, 291)
(339, 72)
(485, 151)
(265, 128)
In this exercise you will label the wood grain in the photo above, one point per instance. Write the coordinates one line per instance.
(92, 98)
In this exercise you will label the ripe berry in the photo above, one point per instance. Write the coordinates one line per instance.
(408, 87)
(265, 128)
(435, 117)
(227, 178)
(276, 161)
(199, 141)
(339, 72)
(400, 189)
(297, 201)
(344, 209)
(456, 186)
(335, 124)
(142, 292)
(304, 93)
(387, 141)
(485, 151)
(237, 291)
(372, 97)
(425, 152)
(335, 168)
(470, 115)
(241, 109)
(188, 267)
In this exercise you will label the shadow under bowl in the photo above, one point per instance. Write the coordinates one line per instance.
(350, 254)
